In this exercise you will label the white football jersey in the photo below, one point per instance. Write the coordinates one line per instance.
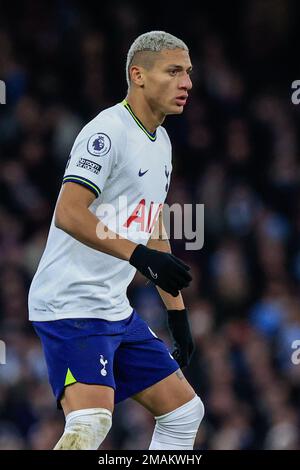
(128, 169)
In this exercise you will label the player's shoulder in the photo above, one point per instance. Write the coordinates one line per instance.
(105, 131)
(103, 134)
(108, 120)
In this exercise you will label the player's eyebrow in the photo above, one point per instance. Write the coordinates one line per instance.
(180, 67)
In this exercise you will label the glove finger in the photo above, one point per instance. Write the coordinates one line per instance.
(180, 358)
(178, 285)
(170, 287)
(180, 262)
(175, 293)
(179, 271)
(180, 279)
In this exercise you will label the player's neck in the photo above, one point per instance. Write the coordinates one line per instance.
(150, 118)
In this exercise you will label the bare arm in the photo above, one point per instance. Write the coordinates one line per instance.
(73, 216)
(159, 241)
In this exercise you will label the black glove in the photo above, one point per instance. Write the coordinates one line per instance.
(179, 327)
(163, 269)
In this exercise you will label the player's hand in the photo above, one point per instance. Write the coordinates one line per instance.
(179, 327)
(163, 269)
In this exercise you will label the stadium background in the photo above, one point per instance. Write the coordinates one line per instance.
(236, 150)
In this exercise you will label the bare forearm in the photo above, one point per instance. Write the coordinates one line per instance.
(170, 302)
(83, 225)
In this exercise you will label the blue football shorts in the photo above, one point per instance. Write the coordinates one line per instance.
(125, 355)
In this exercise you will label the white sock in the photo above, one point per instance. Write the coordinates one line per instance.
(85, 429)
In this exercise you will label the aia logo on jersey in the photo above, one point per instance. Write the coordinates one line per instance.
(144, 218)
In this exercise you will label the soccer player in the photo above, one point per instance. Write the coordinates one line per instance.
(108, 224)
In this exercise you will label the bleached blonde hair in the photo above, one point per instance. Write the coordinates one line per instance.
(153, 41)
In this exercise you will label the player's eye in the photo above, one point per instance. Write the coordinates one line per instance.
(173, 72)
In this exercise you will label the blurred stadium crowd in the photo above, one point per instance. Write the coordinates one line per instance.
(236, 150)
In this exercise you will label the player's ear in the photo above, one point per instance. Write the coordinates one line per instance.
(137, 75)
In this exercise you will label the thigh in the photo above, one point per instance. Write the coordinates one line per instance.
(141, 360)
(166, 395)
(80, 357)
(79, 396)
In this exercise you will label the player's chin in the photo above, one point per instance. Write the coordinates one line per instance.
(176, 109)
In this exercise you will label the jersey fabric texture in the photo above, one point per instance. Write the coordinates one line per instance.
(128, 169)
(125, 355)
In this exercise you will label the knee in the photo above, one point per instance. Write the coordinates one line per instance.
(188, 415)
(181, 425)
(85, 429)
(200, 410)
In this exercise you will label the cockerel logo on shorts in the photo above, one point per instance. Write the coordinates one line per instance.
(103, 362)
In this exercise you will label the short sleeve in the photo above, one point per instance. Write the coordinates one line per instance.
(93, 155)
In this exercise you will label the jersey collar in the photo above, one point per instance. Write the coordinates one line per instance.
(152, 136)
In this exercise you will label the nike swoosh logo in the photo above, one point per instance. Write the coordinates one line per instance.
(141, 173)
(152, 273)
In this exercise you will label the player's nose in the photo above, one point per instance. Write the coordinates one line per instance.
(186, 83)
